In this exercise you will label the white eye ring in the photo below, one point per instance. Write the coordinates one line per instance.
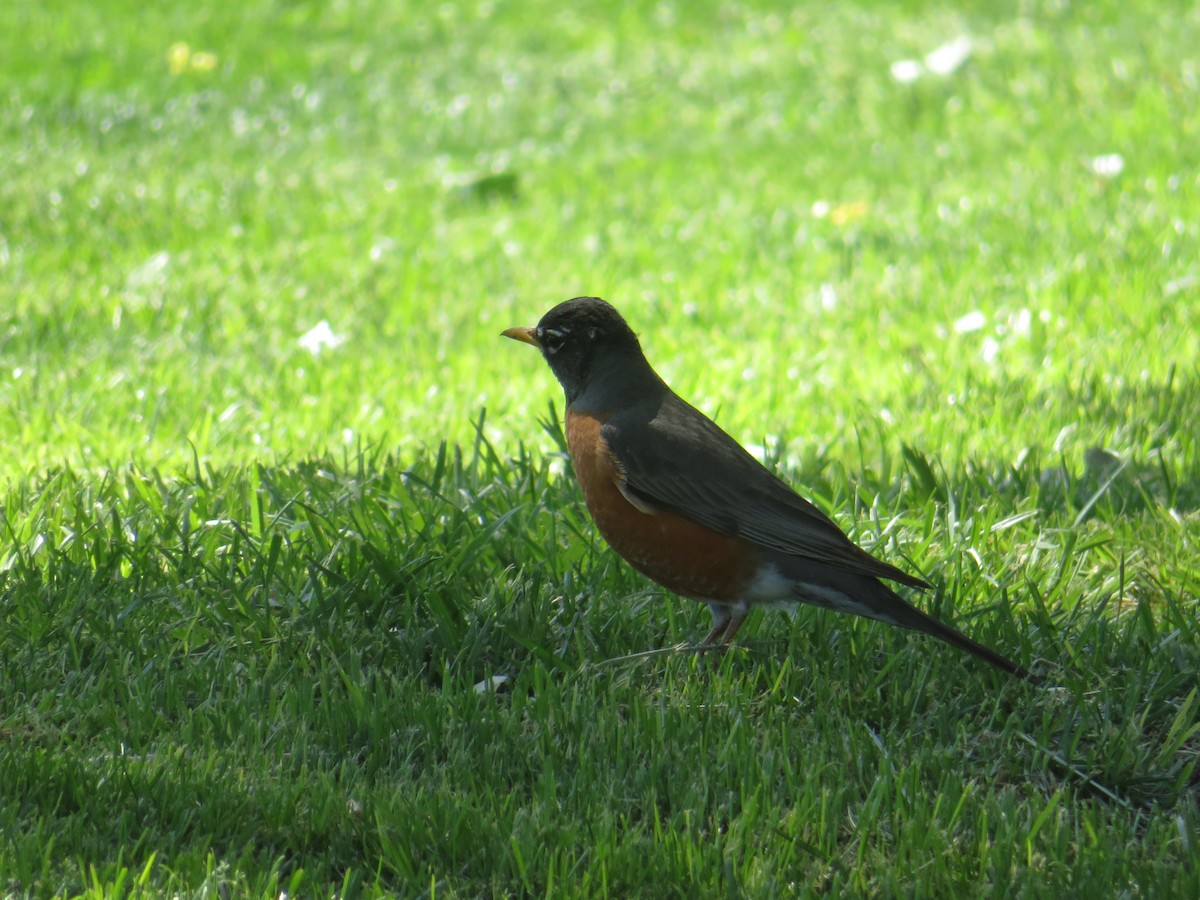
(550, 339)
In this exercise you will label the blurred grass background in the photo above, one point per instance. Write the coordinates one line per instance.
(188, 192)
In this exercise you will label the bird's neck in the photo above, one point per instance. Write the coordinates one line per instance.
(614, 382)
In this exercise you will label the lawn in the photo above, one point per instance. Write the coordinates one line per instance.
(297, 593)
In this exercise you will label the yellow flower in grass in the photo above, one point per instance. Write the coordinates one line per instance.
(846, 213)
(179, 55)
(180, 59)
(203, 61)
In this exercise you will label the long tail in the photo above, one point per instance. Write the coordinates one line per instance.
(929, 625)
(865, 595)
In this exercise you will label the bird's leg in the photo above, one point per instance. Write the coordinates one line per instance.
(734, 623)
(726, 622)
(721, 619)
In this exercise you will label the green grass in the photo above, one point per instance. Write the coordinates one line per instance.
(247, 592)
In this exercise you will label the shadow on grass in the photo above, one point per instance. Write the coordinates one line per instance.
(267, 645)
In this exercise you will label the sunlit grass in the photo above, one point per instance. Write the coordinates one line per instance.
(262, 549)
(172, 236)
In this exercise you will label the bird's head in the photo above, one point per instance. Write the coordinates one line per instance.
(583, 338)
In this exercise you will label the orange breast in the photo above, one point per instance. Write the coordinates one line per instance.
(679, 554)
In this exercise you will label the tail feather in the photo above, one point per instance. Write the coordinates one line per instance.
(864, 595)
(955, 638)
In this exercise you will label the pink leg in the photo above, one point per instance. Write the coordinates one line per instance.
(720, 623)
(726, 622)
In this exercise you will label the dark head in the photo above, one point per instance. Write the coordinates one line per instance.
(582, 338)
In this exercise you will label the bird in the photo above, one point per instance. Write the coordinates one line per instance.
(689, 508)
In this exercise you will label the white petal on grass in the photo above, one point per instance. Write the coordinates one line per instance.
(990, 350)
(829, 297)
(381, 248)
(906, 71)
(972, 321)
(495, 683)
(152, 271)
(1175, 285)
(1021, 323)
(1107, 165)
(320, 337)
(947, 58)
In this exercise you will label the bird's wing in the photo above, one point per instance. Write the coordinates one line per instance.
(673, 457)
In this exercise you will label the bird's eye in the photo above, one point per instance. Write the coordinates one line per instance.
(551, 339)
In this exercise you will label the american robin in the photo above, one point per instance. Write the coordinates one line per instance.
(688, 507)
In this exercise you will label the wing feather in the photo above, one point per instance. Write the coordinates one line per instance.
(682, 461)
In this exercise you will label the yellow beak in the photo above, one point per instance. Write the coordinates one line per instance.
(524, 334)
